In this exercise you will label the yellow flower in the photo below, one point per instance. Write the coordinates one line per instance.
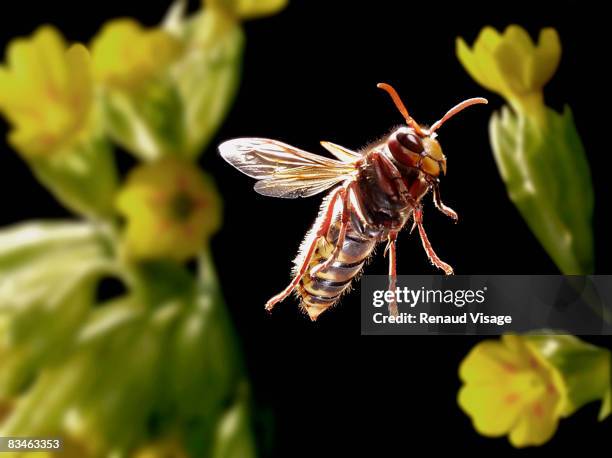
(171, 209)
(125, 54)
(247, 9)
(46, 92)
(164, 448)
(509, 388)
(511, 64)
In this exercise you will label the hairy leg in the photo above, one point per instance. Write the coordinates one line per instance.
(440, 205)
(322, 226)
(391, 249)
(344, 221)
(431, 254)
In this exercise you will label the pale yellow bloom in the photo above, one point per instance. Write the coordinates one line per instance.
(125, 54)
(46, 92)
(511, 65)
(509, 388)
(171, 209)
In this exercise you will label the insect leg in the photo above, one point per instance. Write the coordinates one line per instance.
(321, 228)
(344, 219)
(431, 254)
(440, 205)
(392, 270)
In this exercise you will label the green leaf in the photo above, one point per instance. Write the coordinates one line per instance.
(606, 406)
(23, 243)
(208, 75)
(163, 281)
(37, 337)
(234, 435)
(148, 122)
(83, 178)
(124, 381)
(38, 261)
(47, 270)
(104, 321)
(547, 177)
(204, 367)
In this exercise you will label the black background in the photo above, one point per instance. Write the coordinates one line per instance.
(310, 74)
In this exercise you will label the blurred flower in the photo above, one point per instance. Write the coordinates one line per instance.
(163, 448)
(511, 65)
(247, 9)
(171, 209)
(98, 376)
(509, 388)
(125, 54)
(46, 92)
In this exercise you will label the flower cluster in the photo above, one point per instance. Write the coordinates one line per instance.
(49, 101)
(538, 151)
(153, 370)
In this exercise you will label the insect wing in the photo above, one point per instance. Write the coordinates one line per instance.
(342, 153)
(283, 170)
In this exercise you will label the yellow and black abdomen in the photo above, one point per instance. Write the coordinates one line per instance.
(320, 291)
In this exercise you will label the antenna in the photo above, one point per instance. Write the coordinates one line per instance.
(456, 109)
(400, 107)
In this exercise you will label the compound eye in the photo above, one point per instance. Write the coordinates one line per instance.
(411, 142)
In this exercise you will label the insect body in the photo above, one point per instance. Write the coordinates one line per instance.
(376, 192)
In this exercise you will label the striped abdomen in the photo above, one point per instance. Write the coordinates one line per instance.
(321, 291)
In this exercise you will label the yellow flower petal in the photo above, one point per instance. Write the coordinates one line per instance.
(125, 54)
(489, 38)
(479, 62)
(470, 62)
(510, 62)
(46, 92)
(537, 424)
(490, 361)
(546, 58)
(518, 37)
(512, 66)
(493, 413)
(487, 42)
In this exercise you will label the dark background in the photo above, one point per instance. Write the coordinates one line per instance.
(310, 74)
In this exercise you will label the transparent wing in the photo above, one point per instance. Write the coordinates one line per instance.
(302, 181)
(342, 153)
(283, 170)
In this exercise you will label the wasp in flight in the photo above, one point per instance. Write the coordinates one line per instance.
(375, 193)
